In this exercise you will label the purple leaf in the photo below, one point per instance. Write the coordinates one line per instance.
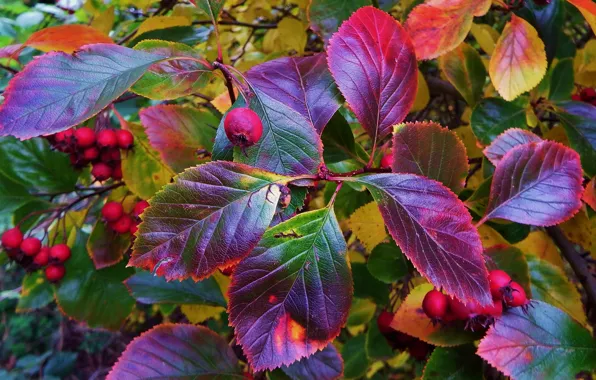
(536, 183)
(322, 365)
(290, 297)
(177, 351)
(373, 62)
(210, 218)
(58, 90)
(302, 83)
(507, 141)
(434, 229)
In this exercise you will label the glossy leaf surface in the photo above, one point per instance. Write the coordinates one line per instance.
(493, 116)
(387, 263)
(579, 121)
(460, 363)
(66, 38)
(324, 365)
(507, 141)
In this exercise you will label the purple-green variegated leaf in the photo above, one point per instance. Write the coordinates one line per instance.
(211, 217)
(434, 229)
(290, 297)
(58, 90)
(326, 364)
(177, 351)
(536, 183)
(105, 246)
(302, 83)
(173, 78)
(507, 141)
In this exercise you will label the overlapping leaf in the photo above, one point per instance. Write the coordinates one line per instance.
(211, 7)
(513, 261)
(291, 295)
(326, 16)
(105, 246)
(579, 121)
(463, 67)
(429, 150)
(170, 351)
(36, 292)
(460, 363)
(177, 133)
(518, 63)
(507, 141)
(210, 217)
(372, 60)
(302, 83)
(493, 116)
(66, 38)
(434, 229)
(174, 78)
(323, 365)
(589, 195)
(57, 90)
(538, 343)
(536, 183)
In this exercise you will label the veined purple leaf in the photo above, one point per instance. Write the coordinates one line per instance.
(58, 90)
(174, 78)
(432, 151)
(177, 133)
(373, 62)
(536, 183)
(177, 351)
(290, 297)
(302, 83)
(210, 218)
(434, 229)
(326, 364)
(507, 141)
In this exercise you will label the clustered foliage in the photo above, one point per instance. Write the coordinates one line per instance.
(351, 185)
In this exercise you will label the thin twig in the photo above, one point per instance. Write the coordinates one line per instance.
(237, 23)
(9, 69)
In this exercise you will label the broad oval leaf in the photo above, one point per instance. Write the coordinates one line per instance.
(183, 75)
(429, 150)
(177, 133)
(211, 217)
(579, 121)
(177, 351)
(460, 363)
(36, 292)
(463, 67)
(372, 60)
(302, 83)
(57, 91)
(493, 116)
(518, 63)
(536, 183)
(507, 141)
(66, 38)
(434, 230)
(105, 246)
(538, 343)
(211, 7)
(326, 16)
(322, 365)
(290, 297)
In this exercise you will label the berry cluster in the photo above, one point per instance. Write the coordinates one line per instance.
(505, 293)
(418, 349)
(587, 95)
(121, 222)
(101, 149)
(30, 254)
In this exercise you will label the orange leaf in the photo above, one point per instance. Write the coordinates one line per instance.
(66, 38)
(519, 60)
(438, 26)
(588, 10)
(589, 195)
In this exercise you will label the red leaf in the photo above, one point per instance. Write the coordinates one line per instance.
(11, 51)
(170, 351)
(66, 38)
(507, 141)
(434, 229)
(536, 183)
(589, 195)
(302, 83)
(432, 151)
(372, 60)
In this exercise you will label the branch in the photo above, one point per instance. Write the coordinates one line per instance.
(228, 77)
(237, 23)
(9, 69)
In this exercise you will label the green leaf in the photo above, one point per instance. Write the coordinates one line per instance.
(188, 35)
(348, 200)
(367, 286)
(211, 7)
(493, 116)
(387, 263)
(513, 261)
(142, 169)
(105, 246)
(354, 355)
(460, 363)
(327, 15)
(35, 165)
(150, 289)
(538, 343)
(12, 195)
(376, 347)
(463, 67)
(339, 142)
(60, 364)
(361, 311)
(561, 80)
(97, 297)
(36, 292)
(579, 121)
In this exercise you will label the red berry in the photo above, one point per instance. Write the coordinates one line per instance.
(518, 296)
(107, 139)
(117, 173)
(588, 94)
(387, 160)
(494, 310)
(122, 225)
(384, 322)
(499, 281)
(91, 154)
(85, 137)
(125, 139)
(112, 211)
(435, 304)
(43, 257)
(140, 207)
(60, 253)
(101, 171)
(134, 228)
(12, 239)
(576, 97)
(243, 127)
(31, 246)
(55, 273)
(458, 310)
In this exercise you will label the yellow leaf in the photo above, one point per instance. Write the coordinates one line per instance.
(224, 283)
(557, 134)
(368, 225)
(467, 137)
(422, 95)
(490, 237)
(579, 230)
(162, 22)
(519, 60)
(103, 21)
(289, 35)
(486, 37)
(185, 10)
(584, 65)
(222, 101)
(201, 313)
(540, 244)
